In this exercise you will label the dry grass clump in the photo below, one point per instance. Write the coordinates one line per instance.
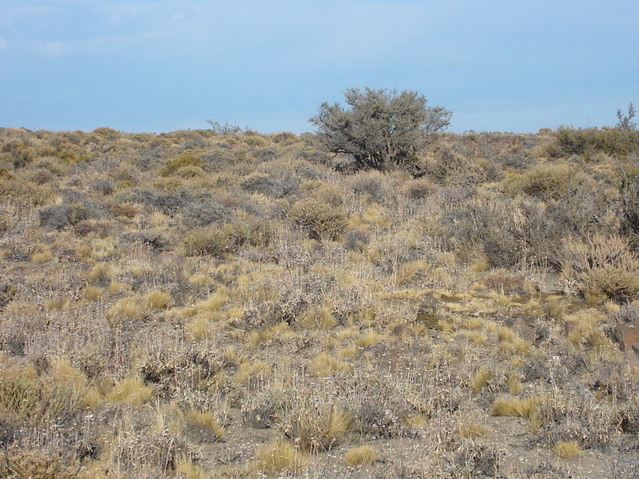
(318, 428)
(360, 456)
(204, 424)
(479, 380)
(548, 181)
(473, 431)
(531, 408)
(566, 449)
(280, 455)
(324, 365)
(131, 390)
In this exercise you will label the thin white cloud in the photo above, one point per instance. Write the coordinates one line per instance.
(3, 44)
(53, 48)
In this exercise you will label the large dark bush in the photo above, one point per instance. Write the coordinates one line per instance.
(382, 128)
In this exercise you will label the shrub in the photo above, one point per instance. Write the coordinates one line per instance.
(320, 220)
(104, 186)
(602, 266)
(270, 185)
(371, 183)
(227, 240)
(547, 181)
(382, 128)
(586, 142)
(629, 191)
(18, 462)
(60, 216)
(173, 165)
(204, 213)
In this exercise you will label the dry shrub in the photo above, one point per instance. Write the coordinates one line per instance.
(226, 240)
(321, 220)
(602, 267)
(18, 462)
(549, 181)
(478, 460)
(275, 184)
(33, 398)
(373, 184)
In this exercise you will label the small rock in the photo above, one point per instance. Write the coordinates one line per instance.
(628, 336)
(570, 326)
(524, 330)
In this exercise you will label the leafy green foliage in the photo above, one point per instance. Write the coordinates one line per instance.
(382, 128)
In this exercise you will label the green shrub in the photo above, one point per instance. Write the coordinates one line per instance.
(174, 164)
(546, 181)
(587, 142)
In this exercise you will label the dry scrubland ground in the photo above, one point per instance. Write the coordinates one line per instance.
(201, 305)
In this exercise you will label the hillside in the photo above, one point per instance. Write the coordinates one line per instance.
(200, 304)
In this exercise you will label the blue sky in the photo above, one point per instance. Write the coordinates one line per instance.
(162, 65)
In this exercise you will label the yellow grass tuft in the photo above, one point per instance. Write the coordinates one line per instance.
(199, 327)
(479, 380)
(360, 456)
(251, 371)
(188, 470)
(100, 274)
(319, 318)
(473, 431)
(130, 308)
(517, 407)
(514, 383)
(279, 455)
(205, 419)
(93, 293)
(368, 338)
(64, 373)
(131, 390)
(415, 421)
(42, 256)
(324, 365)
(157, 300)
(566, 449)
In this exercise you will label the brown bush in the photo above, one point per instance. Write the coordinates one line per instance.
(602, 266)
(320, 220)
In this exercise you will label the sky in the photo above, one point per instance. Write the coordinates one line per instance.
(164, 65)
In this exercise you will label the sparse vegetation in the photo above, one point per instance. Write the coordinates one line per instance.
(223, 303)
